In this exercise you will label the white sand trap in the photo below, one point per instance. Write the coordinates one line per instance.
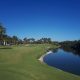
(41, 58)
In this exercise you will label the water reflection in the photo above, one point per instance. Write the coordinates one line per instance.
(64, 60)
(55, 50)
(75, 52)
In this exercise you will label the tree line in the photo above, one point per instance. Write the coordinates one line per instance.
(71, 45)
(14, 40)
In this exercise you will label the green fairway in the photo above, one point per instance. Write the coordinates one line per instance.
(21, 63)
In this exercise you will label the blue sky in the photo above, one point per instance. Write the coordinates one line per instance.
(57, 19)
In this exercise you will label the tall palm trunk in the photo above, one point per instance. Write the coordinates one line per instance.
(1, 39)
(2, 33)
(4, 42)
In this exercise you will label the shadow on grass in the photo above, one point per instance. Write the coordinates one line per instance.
(5, 47)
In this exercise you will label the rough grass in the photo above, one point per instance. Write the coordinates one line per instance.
(21, 63)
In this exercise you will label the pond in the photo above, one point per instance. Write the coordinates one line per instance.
(66, 61)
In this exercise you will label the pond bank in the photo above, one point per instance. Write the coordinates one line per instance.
(41, 59)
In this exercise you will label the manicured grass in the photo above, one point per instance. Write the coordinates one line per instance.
(21, 63)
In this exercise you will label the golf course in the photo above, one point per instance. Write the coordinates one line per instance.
(21, 63)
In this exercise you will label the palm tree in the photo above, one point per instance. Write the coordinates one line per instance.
(2, 33)
(25, 40)
(15, 40)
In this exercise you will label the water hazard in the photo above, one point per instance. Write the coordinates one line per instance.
(67, 61)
